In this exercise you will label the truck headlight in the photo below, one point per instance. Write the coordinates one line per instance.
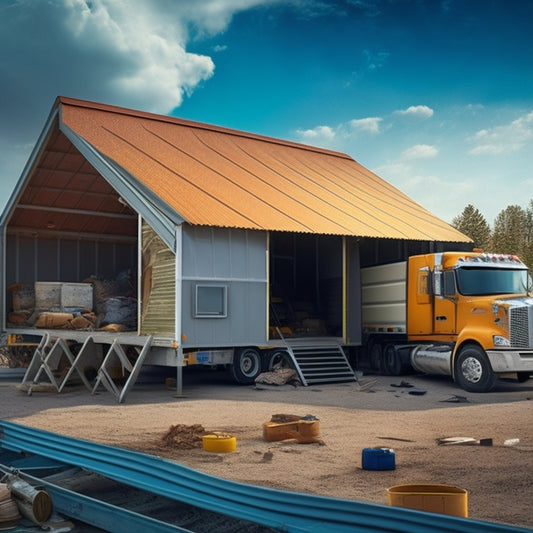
(500, 341)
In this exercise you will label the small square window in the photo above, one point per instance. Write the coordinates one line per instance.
(211, 301)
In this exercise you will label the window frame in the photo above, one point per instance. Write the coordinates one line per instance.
(222, 313)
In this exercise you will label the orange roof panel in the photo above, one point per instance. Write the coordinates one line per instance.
(219, 177)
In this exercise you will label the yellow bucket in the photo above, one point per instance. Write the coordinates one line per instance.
(219, 443)
(443, 499)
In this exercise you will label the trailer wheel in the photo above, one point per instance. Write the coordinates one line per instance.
(391, 361)
(472, 370)
(246, 365)
(375, 357)
(278, 359)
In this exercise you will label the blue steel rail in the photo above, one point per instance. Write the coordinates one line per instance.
(280, 510)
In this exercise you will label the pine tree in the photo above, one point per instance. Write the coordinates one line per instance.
(527, 254)
(510, 233)
(473, 224)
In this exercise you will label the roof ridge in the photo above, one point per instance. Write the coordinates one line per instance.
(65, 100)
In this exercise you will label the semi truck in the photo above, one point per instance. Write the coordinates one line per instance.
(468, 315)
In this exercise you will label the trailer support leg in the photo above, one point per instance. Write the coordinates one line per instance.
(179, 373)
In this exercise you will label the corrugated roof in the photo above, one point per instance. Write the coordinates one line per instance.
(219, 177)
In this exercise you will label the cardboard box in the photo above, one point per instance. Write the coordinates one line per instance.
(58, 296)
(76, 295)
(48, 295)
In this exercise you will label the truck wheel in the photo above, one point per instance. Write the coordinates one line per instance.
(246, 365)
(375, 357)
(472, 370)
(278, 359)
(391, 361)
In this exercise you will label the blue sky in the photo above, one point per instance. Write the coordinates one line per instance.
(436, 97)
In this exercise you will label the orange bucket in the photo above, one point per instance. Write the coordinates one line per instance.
(443, 499)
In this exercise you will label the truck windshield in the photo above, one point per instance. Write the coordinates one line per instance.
(484, 281)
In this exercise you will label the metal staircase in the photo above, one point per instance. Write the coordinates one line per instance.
(320, 363)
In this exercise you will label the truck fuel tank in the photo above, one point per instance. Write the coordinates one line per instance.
(432, 359)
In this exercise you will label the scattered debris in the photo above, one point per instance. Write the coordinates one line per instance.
(417, 392)
(58, 524)
(365, 386)
(457, 399)
(511, 442)
(450, 441)
(267, 457)
(184, 437)
(396, 438)
(16, 356)
(30, 388)
(402, 384)
(282, 418)
(279, 376)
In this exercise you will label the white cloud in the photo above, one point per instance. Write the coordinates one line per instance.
(149, 43)
(418, 111)
(420, 151)
(324, 133)
(504, 139)
(104, 50)
(369, 125)
(132, 54)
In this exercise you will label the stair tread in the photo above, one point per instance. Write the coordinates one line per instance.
(321, 363)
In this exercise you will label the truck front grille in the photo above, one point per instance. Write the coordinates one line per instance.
(520, 326)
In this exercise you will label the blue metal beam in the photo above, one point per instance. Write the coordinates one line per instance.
(283, 510)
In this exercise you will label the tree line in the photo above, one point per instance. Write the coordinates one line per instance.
(512, 232)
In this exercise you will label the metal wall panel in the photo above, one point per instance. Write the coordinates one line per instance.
(31, 259)
(383, 295)
(237, 260)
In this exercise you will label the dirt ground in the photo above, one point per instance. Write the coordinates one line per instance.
(375, 412)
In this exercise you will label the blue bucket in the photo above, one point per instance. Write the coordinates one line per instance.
(378, 459)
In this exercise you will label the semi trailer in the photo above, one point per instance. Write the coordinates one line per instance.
(468, 315)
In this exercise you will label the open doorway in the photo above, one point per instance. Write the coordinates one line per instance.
(305, 285)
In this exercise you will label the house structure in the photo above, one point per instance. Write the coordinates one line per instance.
(230, 244)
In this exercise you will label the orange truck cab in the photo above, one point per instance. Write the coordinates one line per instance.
(467, 314)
